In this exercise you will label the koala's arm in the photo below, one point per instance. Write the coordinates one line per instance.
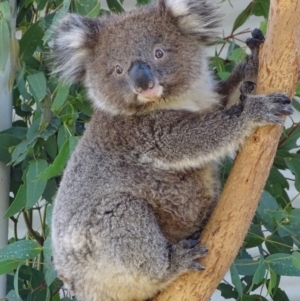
(181, 139)
(244, 71)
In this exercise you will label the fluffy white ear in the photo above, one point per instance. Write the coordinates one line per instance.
(195, 17)
(72, 38)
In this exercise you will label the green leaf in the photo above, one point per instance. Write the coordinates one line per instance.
(223, 75)
(13, 296)
(50, 190)
(276, 215)
(296, 101)
(242, 17)
(253, 298)
(21, 151)
(50, 274)
(260, 272)
(19, 201)
(294, 166)
(87, 8)
(37, 85)
(282, 264)
(49, 215)
(280, 295)
(58, 16)
(35, 187)
(143, 2)
(114, 6)
(246, 267)
(263, 26)
(289, 139)
(289, 230)
(261, 8)
(8, 265)
(4, 43)
(7, 141)
(276, 244)
(276, 183)
(266, 202)
(29, 42)
(219, 63)
(41, 4)
(273, 281)
(60, 98)
(22, 249)
(60, 162)
(296, 260)
(228, 291)
(294, 216)
(235, 278)
(237, 55)
(255, 237)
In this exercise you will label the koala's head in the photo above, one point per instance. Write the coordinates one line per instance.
(133, 61)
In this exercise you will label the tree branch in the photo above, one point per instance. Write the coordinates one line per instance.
(226, 229)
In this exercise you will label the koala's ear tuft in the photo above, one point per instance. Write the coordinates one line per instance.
(73, 38)
(195, 17)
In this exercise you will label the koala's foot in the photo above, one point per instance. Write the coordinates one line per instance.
(256, 40)
(268, 109)
(251, 66)
(184, 253)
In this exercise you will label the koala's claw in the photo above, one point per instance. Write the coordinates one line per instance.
(256, 40)
(183, 254)
(196, 266)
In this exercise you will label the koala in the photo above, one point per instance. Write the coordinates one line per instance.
(143, 180)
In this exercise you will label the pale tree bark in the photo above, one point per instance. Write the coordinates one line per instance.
(227, 228)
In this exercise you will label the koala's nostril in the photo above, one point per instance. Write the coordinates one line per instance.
(138, 89)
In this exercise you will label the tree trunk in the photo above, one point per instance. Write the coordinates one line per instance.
(227, 228)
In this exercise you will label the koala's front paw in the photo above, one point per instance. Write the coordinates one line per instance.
(185, 252)
(268, 109)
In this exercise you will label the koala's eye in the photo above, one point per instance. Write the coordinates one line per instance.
(159, 53)
(119, 69)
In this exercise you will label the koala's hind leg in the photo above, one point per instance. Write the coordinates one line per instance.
(244, 71)
(132, 260)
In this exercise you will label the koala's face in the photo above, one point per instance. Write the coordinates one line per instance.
(135, 60)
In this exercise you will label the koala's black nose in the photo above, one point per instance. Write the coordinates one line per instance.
(141, 77)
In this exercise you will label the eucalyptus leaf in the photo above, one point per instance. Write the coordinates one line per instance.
(282, 264)
(30, 41)
(236, 279)
(57, 167)
(242, 17)
(35, 186)
(23, 249)
(8, 265)
(37, 85)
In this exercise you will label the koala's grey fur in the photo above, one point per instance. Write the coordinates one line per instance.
(144, 177)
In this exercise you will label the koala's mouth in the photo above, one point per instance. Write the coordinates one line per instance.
(152, 94)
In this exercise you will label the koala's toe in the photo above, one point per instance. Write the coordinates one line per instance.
(196, 266)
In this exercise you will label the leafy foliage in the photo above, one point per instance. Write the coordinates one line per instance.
(50, 118)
